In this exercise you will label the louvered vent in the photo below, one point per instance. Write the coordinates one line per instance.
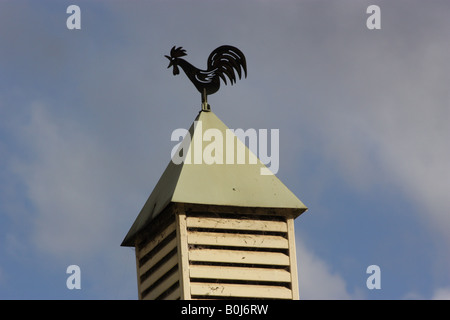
(157, 265)
(234, 256)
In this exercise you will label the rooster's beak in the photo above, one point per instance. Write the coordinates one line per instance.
(170, 64)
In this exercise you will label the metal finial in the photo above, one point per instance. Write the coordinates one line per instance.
(223, 61)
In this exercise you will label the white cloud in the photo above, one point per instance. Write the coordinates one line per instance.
(413, 131)
(390, 123)
(413, 296)
(80, 202)
(441, 294)
(316, 280)
(65, 180)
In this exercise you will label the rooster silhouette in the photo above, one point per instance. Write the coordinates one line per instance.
(222, 62)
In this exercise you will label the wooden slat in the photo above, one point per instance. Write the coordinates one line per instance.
(239, 273)
(138, 277)
(239, 290)
(236, 224)
(154, 242)
(158, 256)
(174, 295)
(163, 286)
(160, 272)
(239, 256)
(237, 240)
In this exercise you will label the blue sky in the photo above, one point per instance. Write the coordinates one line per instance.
(86, 118)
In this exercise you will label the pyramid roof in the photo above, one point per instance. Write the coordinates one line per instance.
(210, 176)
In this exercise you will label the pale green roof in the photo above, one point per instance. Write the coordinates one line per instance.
(239, 185)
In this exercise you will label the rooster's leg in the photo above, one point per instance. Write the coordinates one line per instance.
(205, 105)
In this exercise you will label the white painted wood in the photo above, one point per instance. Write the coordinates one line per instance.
(163, 286)
(239, 290)
(236, 224)
(239, 273)
(293, 259)
(183, 256)
(239, 256)
(173, 295)
(158, 273)
(158, 256)
(237, 240)
(138, 277)
(157, 240)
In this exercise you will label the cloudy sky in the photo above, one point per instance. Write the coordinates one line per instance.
(363, 115)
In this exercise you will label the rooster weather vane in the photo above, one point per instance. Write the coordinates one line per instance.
(222, 62)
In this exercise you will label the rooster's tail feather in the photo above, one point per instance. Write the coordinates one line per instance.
(225, 60)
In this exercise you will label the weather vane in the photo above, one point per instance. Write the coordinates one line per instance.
(222, 62)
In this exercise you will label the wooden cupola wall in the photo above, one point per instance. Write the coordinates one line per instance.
(216, 231)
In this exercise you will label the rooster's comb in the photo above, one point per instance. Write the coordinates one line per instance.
(177, 52)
